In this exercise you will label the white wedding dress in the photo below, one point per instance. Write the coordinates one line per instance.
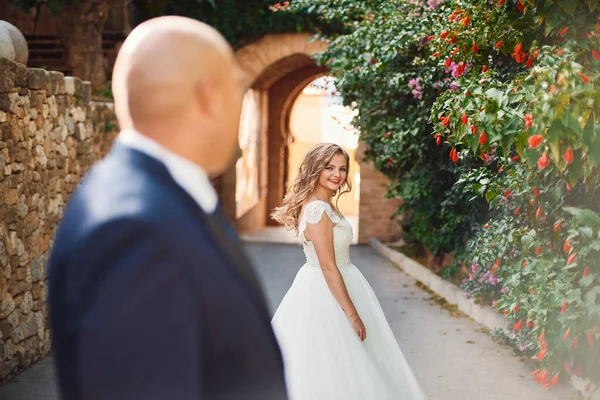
(323, 356)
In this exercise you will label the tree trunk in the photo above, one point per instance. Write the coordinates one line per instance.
(80, 29)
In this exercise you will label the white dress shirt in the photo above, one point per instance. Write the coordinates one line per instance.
(185, 173)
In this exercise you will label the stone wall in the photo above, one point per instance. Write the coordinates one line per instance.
(50, 134)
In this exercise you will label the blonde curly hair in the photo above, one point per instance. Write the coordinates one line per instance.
(317, 159)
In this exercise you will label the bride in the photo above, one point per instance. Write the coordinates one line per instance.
(335, 339)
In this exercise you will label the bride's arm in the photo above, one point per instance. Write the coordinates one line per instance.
(321, 234)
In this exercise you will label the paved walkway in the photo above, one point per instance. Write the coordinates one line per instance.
(450, 356)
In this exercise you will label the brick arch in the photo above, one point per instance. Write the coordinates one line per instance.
(277, 68)
(257, 60)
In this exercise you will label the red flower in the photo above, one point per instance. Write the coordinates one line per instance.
(595, 54)
(484, 69)
(445, 34)
(464, 119)
(584, 78)
(536, 192)
(535, 140)
(528, 121)
(499, 44)
(455, 51)
(557, 227)
(564, 308)
(430, 38)
(543, 161)
(540, 356)
(518, 48)
(538, 213)
(535, 53)
(517, 211)
(568, 156)
(571, 258)
(374, 61)
(538, 250)
(566, 335)
(447, 62)
(529, 62)
(524, 264)
(518, 325)
(568, 187)
(515, 158)
(520, 6)
(586, 271)
(473, 129)
(486, 226)
(482, 138)
(438, 140)
(567, 246)
(446, 121)
(550, 245)
(564, 31)
(437, 53)
(475, 48)
(554, 380)
(453, 155)
(466, 21)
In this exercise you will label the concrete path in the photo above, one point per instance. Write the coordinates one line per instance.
(450, 355)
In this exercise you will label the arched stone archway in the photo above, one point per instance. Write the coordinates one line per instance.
(274, 71)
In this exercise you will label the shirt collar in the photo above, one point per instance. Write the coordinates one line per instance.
(191, 177)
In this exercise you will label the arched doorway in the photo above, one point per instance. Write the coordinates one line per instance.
(318, 116)
(275, 71)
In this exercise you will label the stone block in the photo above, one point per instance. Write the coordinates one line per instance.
(73, 86)
(56, 83)
(7, 305)
(86, 92)
(20, 75)
(37, 78)
(7, 75)
(38, 268)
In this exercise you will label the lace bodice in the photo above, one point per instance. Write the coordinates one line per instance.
(342, 233)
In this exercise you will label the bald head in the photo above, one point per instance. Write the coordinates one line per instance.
(174, 78)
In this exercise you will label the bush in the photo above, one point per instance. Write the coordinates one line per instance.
(498, 101)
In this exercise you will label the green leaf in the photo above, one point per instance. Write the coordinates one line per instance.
(574, 295)
(592, 4)
(584, 216)
(590, 297)
(491, 195)
(527, 241)
(587, 280)
(521, 143)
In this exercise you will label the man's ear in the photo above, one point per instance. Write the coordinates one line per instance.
(206, 96)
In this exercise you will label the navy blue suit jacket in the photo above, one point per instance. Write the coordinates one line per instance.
(150, 298)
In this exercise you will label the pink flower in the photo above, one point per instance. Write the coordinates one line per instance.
(503, 290)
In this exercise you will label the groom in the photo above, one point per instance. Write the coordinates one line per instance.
(151, 296)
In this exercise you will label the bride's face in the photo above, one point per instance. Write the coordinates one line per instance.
(334, 174)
